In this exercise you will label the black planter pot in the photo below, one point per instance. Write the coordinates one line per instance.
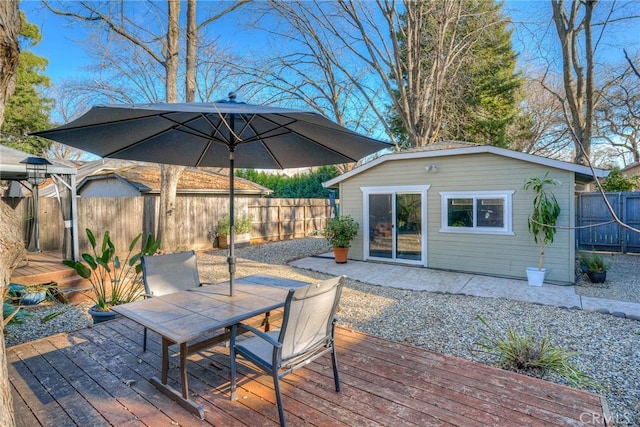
(101, 316)
(597, 276)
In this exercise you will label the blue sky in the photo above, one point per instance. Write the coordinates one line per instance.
(66, 57)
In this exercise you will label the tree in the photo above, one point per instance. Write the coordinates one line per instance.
(310, 68)
(11, 245)
(28, 109)
(575, 27)
(486, 104)
(617, 116)
(157, 52)
(479, 99)
(417, 50)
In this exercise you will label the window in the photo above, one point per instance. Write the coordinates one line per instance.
(485, 212)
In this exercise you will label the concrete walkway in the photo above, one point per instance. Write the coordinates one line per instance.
(425, 279)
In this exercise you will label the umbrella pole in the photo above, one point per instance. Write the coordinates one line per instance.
(231, 259)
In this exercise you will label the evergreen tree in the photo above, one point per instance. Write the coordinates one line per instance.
(28, 109)
(481, 104)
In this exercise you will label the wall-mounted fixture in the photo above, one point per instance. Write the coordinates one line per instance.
(36, 174)
(431, 168)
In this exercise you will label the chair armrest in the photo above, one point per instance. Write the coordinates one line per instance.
(260, 334)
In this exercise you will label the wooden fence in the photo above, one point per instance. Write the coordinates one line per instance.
(591, 210)
(196, 217)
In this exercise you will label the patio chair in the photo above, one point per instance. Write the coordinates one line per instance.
(165, 274)
(307, 333)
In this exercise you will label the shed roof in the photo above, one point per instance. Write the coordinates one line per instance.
(457, 148)
(145, 177)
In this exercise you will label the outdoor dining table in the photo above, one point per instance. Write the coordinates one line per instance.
(185, 317)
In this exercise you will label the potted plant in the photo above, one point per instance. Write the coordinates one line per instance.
(242, 230)
(113, 280)
(542, 221)
(339, 233)
(596, 267)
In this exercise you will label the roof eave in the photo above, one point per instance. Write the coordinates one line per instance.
(579, 170)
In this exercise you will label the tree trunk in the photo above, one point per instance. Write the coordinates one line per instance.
(12, 251)
(192, 44)
(11, 244)
(9, 52)
(170, 173)
(577, 76)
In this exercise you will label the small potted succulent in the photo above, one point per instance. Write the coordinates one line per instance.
(596, 266)
(339, 233)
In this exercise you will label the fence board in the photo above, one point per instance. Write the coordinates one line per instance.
(591, 210)
(196, 216)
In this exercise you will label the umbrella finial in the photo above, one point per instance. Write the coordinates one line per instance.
(232, 97)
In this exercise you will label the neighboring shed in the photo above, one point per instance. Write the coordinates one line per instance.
(122, 178)
(459, 206)
(632, 169)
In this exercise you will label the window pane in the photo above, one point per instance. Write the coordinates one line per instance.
(490, 213)
(460, 212)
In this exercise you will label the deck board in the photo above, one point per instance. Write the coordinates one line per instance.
(99, 376)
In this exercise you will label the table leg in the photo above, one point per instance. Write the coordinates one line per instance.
(183, 370)
(182, 399)
(165, 360)
(266, 321)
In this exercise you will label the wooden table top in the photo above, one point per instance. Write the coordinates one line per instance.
(186, 315)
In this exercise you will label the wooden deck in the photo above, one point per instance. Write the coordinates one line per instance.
(46, 267)
(39, 266)
(99, 376)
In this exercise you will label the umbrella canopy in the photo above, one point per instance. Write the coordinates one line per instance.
(225, 134)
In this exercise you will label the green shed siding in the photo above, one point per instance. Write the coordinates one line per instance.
(500, 255)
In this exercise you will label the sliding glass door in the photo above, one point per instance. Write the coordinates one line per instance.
(396, 223)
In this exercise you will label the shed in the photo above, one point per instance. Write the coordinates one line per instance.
(460, 207)
(124, 178)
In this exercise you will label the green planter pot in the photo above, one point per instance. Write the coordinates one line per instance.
(101, 316)
(597, 276)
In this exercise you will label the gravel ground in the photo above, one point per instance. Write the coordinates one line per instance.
(606, 347)
(623, 280)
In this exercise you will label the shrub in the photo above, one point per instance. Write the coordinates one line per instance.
(341, 231)
(242, 225)
(594, 262)
(529, 355)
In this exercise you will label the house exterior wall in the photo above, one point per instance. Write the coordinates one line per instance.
(109, 187)
(493, 254)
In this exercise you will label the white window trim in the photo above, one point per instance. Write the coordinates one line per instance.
(507, 195)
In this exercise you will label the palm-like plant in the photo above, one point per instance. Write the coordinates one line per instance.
(546, 210)
(114, 280)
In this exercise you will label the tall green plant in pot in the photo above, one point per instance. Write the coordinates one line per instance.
(542, 221)
(114, 280)
(339, 233)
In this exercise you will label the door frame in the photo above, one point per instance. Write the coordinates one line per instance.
(394, 190)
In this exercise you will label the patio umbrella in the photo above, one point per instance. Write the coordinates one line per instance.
(226, 134)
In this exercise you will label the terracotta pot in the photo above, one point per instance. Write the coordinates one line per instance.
(340, 255)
